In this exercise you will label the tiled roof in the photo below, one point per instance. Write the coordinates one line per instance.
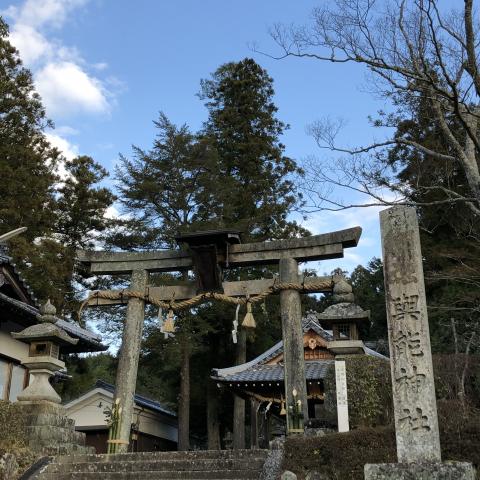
(139, 399)
(89, 340)
(308, 323)
(314, 370)
(256, 368)
(5, 259)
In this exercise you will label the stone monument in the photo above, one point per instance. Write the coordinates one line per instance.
(416, 422)
(342, 399)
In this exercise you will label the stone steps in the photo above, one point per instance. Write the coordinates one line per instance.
(153, 456)
(194, 465)
(66, 449)
(161, 465)
(156, 475)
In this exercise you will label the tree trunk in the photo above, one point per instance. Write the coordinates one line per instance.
(253, 424)
(184, 397)
(239, 403)
(461, 392)
(213, 424)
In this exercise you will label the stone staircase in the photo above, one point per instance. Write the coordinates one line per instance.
(194, 465)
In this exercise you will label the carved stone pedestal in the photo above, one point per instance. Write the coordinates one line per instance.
(420, 471)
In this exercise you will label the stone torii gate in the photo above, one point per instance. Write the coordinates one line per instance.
(284, 253)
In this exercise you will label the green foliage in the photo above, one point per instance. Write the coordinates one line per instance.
(369, 391)
(369, 290)
(77, 220)
(27, 161)
(449, 231)
(168, 188)
(340, 455)
(81, 204)
(85, 371)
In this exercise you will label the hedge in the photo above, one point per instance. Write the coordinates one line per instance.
(343, 455)
(369, 392)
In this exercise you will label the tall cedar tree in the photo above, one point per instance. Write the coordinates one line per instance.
(255, 189)
(255, 193)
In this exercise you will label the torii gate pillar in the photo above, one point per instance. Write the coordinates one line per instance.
(128, 359)
(292, 333)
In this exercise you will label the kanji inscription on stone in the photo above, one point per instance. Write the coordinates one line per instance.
(405, 308)
(416, 422)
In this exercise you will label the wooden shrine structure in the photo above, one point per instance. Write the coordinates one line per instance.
(209, 254)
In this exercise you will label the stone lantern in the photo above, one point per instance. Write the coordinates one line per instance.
(344, 318)
(43, 361)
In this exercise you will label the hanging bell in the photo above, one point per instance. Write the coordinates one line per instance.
(282, 409)
(249, 321)
(168, 325)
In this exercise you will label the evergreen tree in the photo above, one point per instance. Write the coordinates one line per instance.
(255, 187)
(78, 220)
(167, 188)
(27, 161)
(60, 214)
(81, 204)
(369, 290)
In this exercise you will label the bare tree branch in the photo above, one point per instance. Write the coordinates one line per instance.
(414, 50)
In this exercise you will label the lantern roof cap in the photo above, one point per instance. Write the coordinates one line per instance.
(45, 331)
(343, 312)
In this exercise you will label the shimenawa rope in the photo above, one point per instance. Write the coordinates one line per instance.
(204, 297)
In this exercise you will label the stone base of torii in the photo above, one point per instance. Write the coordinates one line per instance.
(284, 253)
(415, 406)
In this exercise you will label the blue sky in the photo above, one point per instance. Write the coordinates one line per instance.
(105, 69)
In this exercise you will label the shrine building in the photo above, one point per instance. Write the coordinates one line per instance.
(333, 334)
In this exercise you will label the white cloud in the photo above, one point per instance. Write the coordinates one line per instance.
(31, 44)
(67, 89)
(61, 75)
(100, 66)
(68, 150)
(38, 13)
